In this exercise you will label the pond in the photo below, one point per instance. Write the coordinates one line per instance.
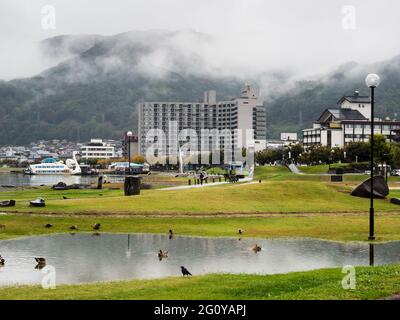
(22, 180)
(87, 258)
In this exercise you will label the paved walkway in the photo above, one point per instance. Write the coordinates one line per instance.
(210, 184)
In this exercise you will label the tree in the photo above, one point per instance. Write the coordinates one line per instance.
(268, 156)
(295, 151)
(396, 155)
(138, 158)
(357, 151)
(383, 151)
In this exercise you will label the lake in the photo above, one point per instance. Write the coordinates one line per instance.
(22, 180)
(87, 258)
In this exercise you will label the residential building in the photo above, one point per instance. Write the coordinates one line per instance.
(243, 112)
(98, 149)
(130, 143)
(350, 122)
(289, 136)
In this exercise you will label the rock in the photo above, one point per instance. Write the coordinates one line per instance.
(395, 200)
(381, 189)
(60, 186)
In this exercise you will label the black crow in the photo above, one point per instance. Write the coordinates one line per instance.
(49, 225)
(73, 227)
(185, 272)
(65, 198)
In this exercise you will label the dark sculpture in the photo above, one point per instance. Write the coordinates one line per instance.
(381, 189)
(132, 186)
(100, 183)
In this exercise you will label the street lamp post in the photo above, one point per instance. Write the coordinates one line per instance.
(129, 135)
(372, 81)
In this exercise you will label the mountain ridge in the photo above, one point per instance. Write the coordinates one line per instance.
(94, 88)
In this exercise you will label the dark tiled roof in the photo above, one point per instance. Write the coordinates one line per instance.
(349, 114)
(355, 99)
(344, 114)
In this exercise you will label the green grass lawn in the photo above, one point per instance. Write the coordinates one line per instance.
(371, 283)
(345, 227)
(266, 197)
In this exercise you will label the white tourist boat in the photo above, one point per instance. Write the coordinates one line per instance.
(52, 166)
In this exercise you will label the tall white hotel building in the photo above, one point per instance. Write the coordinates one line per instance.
(243, 112)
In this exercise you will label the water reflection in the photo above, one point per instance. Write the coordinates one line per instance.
(371, 254)
(87, 258)
(19, 179)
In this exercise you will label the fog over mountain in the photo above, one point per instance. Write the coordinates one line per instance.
(96, 82)
(84, 77)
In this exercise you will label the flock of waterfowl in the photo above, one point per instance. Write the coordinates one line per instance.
(41, 262)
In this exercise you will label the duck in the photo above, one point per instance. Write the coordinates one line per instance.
(256, 248)
(162, 254)
(171, 234)
(2, 261)
(240, 231)
(73, 227)
(40, 260)
(65, 198)
(96, 226)
(49, 225)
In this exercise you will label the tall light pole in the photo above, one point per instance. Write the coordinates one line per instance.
(372, 81)
(129, 135)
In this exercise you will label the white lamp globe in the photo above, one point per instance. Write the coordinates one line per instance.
(372, 80)
(129, 133)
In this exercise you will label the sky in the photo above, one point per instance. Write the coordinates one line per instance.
(304, 36)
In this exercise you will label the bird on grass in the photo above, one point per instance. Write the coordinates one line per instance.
(185, 272)
(49, 225)
(240, 231)
(171, 234)
(256, 248)
(73, 227)
(65, 198)
(2, 261)
(96, 226)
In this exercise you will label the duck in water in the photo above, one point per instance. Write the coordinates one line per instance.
(256, 248)
(41, 263)
(162, 254)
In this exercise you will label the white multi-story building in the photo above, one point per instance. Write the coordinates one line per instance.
(242, 113)
(351, 122)
(97, 149)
